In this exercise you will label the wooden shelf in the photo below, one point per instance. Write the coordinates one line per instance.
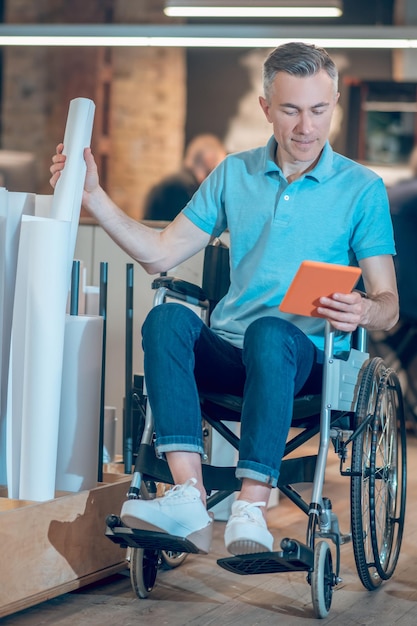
(50, 548)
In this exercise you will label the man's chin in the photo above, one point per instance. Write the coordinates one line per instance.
(306, 154)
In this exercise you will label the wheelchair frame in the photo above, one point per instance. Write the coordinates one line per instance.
(360, 407)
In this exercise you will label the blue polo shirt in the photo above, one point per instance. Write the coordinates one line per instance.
(336, 213)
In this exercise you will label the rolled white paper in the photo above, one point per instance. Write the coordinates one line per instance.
(79, 422)
(43, 205)
(12, 206)
(46, 250)
(2, 296)
(37, 347)
(109, 439)
(66, 203)
(92, 299)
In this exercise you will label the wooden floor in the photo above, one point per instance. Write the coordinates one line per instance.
(200, 593)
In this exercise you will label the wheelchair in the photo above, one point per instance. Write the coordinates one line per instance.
(359, 414)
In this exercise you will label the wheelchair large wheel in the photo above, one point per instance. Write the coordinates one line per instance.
(143, 570)
(322, 580)
(378, 480)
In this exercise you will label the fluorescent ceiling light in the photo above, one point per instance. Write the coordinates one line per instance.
(219, 36)
(205, 42)
(246, 8)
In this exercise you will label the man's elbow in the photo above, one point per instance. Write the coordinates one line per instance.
(152, 268)
(394, 313)
(392, 321)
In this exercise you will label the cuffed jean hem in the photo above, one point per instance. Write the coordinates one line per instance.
(178, 446)
(258, 472)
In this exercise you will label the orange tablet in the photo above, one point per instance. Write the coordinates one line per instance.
(314, 280)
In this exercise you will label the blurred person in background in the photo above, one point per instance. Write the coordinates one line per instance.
(168, 197)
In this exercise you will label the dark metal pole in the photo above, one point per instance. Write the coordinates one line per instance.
(75, 287)
(128, 413)
(103, 313)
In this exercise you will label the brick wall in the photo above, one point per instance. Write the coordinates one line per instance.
(138, 132)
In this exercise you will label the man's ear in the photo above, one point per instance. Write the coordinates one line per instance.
(265, 107)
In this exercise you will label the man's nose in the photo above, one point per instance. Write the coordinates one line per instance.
(305, 123)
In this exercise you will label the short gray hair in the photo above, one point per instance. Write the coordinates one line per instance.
(297, 59)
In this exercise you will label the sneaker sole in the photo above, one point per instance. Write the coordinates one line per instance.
(201, 539)
(246, 547)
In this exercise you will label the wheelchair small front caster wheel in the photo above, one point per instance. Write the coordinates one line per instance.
(322, 580)
(143, 570)
(113, 520)
(171, 559)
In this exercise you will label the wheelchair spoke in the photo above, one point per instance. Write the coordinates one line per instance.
(378, 488)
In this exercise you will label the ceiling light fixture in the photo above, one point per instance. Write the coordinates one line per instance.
(196, 36)
(246, 8)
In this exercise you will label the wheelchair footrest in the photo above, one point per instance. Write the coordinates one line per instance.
(295, 557)
(149, 540)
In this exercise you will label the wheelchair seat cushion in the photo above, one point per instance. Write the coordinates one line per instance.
(228, 407)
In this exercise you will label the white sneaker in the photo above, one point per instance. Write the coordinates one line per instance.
(246, 531)
(180, 512)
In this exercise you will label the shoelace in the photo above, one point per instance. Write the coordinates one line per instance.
(249, 510)
(178, 490)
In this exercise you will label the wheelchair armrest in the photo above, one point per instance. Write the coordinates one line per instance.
(177, 285)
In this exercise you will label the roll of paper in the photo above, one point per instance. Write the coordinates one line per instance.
(109, 440)
(43, 205)
(37, 347)
(66, 203)
(79, 422)
(92, 299)
(12, 206)
(45, 254)
(2, 298)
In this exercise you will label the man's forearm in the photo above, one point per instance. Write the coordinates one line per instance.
(139, 241)
(154, 249)
(380, 311)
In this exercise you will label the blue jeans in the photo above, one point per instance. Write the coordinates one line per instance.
(277, 362)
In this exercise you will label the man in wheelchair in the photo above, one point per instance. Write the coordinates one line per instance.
(291, 200)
